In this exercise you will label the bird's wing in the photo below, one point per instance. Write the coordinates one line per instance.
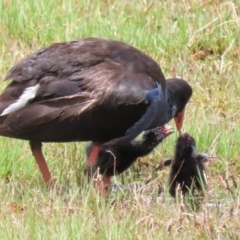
(112, 71)
(70, 78)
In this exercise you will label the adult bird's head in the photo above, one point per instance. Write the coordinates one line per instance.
(179, 94)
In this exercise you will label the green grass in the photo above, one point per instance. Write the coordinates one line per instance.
(197, 40)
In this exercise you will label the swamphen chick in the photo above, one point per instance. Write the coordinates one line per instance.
(188, 169)
(116, 159)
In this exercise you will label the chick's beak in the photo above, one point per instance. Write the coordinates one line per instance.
(179, 120)
(211, 159)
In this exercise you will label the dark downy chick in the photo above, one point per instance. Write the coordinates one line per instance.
(188, 168)
(116, 159)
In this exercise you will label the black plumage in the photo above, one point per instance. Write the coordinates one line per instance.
(91, 89)
(187, 169)
(116, 159)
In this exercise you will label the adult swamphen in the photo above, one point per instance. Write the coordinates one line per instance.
(91, 89)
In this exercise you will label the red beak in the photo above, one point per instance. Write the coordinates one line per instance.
(179, 120)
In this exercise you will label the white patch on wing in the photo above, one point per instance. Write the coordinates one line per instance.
(28, 94)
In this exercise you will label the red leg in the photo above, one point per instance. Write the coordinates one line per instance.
(102, 185)
(36, 148)
(106, 182)
(92, 160)
(99, 185)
